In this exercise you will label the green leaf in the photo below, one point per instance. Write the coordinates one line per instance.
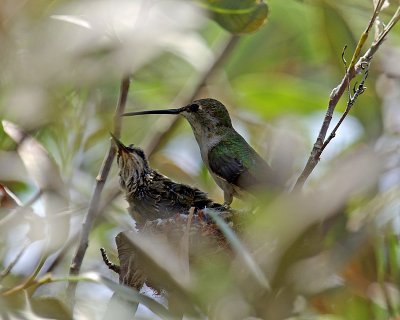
(238, 16)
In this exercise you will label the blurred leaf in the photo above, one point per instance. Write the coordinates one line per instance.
(160, 262)
(238, 16)
(40, 166)
(43, 170)
(240, 250)
(337, 32)
(123, 292)
(73, 19)
(50, 308)
(273, 95)
(13, 171)
(119, 308)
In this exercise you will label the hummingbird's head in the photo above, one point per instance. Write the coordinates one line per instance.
(132, 164)
(206, 116)
(207, 113)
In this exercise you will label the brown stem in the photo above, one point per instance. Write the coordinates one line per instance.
(317, 149)
(360, 90)
(100, 181)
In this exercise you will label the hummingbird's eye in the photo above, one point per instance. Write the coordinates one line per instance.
(193, 107)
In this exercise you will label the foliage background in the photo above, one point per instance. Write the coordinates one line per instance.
(60, 81)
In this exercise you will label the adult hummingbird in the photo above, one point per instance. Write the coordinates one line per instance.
(152, 195)
(234, 165)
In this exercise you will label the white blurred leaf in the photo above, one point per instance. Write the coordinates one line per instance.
(44, 172)
(285, 219)
(72, 19)
(113, 38)
(12, 168)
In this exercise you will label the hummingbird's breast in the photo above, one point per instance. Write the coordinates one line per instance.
(206, 142)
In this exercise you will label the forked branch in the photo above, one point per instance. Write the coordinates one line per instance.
(354, 69)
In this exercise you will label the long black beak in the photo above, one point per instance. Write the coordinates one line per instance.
(119, 144)
(165, 111)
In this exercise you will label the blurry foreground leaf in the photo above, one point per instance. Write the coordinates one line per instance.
(240, 250)
(238, 16)
(119, 308)
(124, 292)
(44, 172)
(160, 262)
(50, 308)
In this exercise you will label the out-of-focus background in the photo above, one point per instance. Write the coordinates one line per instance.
(61, 66)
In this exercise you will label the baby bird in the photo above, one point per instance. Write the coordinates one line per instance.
(152, 195)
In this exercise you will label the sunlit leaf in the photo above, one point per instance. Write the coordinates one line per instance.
(238, 16)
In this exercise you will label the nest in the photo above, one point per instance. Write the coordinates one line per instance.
(193, 237)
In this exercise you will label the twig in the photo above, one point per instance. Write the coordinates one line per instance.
(337, 93)
(100, 181)
(109, 264)
(382, 36)
(352, 99)
(188, 95)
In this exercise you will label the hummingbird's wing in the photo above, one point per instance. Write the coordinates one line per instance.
(173, 198)
(239, 164)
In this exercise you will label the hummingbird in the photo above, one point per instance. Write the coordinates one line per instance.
(152, 195)
(233, 164)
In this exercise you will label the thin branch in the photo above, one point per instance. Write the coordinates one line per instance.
(337, 93)
(382, 36)
(100, 181)
(188, 95)
(360, 90)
